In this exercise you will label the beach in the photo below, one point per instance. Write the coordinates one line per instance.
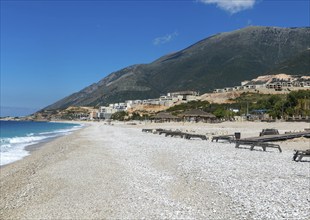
(105, 171)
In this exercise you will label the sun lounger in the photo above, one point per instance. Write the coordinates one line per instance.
(269, 131)
(189, 136)
(299, 154)
(162, 131)
(147, 130)
(228, 138)
(174, 134)
(157, 130)
(253, 144)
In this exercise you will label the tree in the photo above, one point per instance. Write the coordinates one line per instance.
(120, 116)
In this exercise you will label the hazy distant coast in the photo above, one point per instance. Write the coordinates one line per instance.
(116, 171)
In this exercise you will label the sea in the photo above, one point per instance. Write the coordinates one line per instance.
(15, 136)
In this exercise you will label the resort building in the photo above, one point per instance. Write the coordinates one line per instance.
(218, 90)
(150, 102)
(165, 100)
(302, 83)
(278, 82)
(105, 112)
(184, 95)
(93, 115)
(132, 103)
(228, 89)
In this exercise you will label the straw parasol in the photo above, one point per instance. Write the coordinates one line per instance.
(165, 116)
(197, 113)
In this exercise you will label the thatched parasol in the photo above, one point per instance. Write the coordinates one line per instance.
(165, 115)
(197, 113)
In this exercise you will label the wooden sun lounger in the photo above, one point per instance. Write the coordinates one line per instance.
(280, 137)
(180, 134)
(147, 130)
(228, 138)
(163, 131)
(253, 144)
(156, 131)
(189, 136)
(299, 154)
(174, 133)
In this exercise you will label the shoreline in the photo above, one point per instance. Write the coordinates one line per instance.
(35, 145)
(116, 171)
(31, 148)
(36, 148)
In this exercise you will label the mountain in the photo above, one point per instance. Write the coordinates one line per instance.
(218, 61)
(296, 65)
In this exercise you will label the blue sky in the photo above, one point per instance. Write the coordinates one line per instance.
(50, 49)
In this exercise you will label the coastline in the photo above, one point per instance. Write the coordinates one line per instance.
(33, 147)
(28, 145)
(105, 171)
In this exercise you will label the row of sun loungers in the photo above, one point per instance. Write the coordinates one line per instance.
(175, 133)
(183, 134)
(262, 141)
(270, 135)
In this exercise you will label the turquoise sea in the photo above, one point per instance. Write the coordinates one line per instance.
(16, 135)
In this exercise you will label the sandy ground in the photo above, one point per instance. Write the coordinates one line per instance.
(116, 171)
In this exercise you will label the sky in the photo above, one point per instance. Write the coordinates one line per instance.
(51, 49)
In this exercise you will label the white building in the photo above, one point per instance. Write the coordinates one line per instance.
(105, 112)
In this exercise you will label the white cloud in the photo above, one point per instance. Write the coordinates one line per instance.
(232, 6)
(165, 39)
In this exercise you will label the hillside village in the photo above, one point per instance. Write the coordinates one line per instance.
(269, 84)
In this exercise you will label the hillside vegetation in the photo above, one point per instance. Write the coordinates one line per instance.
(296, 103)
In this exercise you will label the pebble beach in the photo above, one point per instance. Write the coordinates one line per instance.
(106, 171)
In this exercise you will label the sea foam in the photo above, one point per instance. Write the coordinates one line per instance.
(13, 148)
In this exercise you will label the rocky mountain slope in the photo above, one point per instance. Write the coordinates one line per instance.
(221, 60)
(299, 64)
